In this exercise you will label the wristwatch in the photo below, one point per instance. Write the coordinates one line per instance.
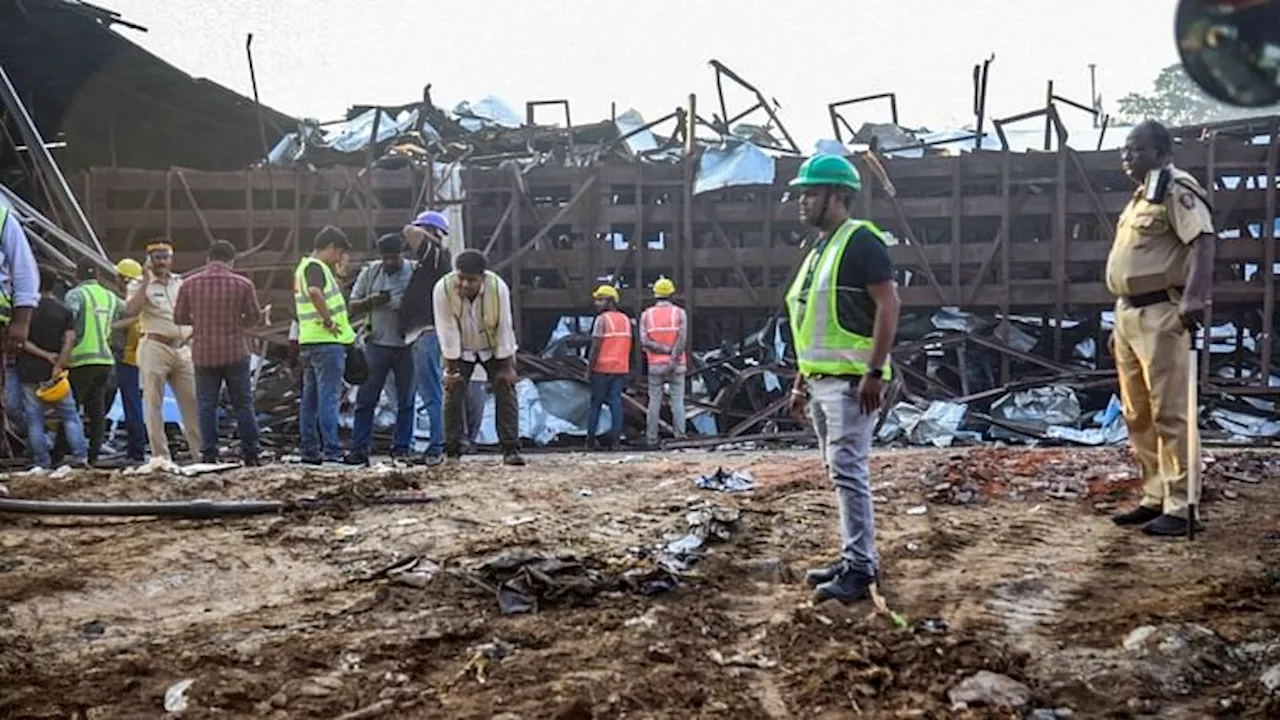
(877, 373)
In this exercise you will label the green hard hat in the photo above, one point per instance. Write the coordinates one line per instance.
(827, 170)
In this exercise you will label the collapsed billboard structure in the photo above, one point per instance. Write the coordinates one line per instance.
(1001, 232)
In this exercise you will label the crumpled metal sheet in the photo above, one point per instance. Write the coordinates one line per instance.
(349, 136)
(487, 112)
(731, 481)
(733, 164)
(1041, 406)
(936, 425)
(1244, 425)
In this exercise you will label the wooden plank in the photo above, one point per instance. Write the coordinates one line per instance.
(1006, 220)
(1059, 245)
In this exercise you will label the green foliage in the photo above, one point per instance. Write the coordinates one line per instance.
(1175, 100)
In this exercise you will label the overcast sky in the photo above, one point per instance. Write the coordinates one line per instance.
(317, 57)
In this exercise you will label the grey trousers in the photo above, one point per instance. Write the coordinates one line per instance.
(844, 438)
(675, 384)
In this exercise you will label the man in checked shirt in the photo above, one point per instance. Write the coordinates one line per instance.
(219, 305)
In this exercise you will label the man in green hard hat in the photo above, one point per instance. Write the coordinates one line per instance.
(843, 309)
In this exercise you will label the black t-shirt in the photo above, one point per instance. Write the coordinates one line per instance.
(315, 276)
(434, 262)
(865, 262)
(50, 321)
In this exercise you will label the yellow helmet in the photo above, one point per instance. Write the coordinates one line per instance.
(129, 269)
(55, 390)
(664, 288)
(606, 291)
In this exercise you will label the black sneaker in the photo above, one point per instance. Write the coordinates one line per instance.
(354, 458)
(312, 461)
(817, 576)
(432, 459)
(1140, 515)
(512, 458)
(849, 585)
(254, 461)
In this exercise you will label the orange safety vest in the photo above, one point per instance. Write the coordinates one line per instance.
(614, 357)
(662, 324)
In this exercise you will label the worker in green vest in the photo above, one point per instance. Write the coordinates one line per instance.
(843, 309)
(324, 334)
(94, 308)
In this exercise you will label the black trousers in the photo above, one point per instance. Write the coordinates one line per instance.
(91, 383)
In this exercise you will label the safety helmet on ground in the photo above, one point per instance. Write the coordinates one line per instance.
(664, 288)
(433, 219)
(827, 170)
(129, 269)
(606, 291)
(55, 390)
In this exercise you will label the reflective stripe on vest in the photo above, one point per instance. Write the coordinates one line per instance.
(614, 357)
(311, 330)
(489, 310)
(6, 301)
(94, 346)
(823, 346)
(661, 323)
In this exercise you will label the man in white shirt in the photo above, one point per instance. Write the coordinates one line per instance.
(472, 308)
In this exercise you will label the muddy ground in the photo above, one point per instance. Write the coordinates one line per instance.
(997, 560)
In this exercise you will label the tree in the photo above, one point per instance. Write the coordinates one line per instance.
(1176, 100)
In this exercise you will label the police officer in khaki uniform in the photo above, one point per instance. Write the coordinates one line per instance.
(1160, 269)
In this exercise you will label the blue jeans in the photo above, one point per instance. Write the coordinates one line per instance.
(322, 367)
(606, 388)
(209, 382)
(38, 436)
(383, 359)
(430, 386)
(131, 401)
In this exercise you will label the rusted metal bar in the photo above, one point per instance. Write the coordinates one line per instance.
(926, 268)
(560, 215)
(763, 101)
(837, 118)
(1267, 271)
(718, 231)
(760, 416)
(980, 97)
(502, 223)
(1059, 266)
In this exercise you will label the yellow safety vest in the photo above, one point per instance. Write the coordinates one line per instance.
(823, 345)
(311, 330)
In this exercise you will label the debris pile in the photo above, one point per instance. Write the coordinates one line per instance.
(997, 473)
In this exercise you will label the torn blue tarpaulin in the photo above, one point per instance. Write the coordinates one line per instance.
(731, 165)
(488, 112)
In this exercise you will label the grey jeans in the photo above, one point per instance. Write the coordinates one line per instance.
(675, 384)
(844, 437)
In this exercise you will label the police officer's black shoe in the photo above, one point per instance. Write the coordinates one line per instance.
(512, 458)
(1140, 515)
(817, 576)
(1168, 526)
(849, 585)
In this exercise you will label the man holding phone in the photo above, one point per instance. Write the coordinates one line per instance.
(378, 291)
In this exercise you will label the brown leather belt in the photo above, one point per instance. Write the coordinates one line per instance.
(164, 339)
(1151, 298)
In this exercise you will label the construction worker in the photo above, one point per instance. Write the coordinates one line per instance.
(19, 294)
(664, 335)
(41, 372)
(843, 311)
(610, 362)
(1161, 270)
(164, 350)
(127, 369)
(378, 291)
(473, 319)
(96, 310)
(324, 335)
(426, 237)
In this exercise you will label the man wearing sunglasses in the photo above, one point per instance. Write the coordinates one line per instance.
(164, 350)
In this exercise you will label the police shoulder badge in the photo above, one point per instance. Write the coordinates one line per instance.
(1187, 200)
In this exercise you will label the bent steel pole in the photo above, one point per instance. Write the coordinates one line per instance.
(47, 165)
